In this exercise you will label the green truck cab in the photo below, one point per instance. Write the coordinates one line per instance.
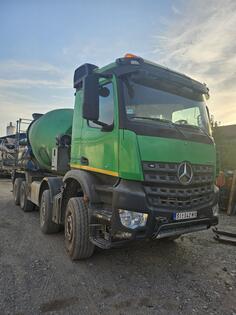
(136, 159)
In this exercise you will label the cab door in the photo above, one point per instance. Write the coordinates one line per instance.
(99, 146)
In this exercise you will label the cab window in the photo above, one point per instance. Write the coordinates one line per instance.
(106, 106)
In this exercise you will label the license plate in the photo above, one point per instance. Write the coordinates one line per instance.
(185, 215)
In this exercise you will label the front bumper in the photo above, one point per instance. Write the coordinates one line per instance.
(160, 223)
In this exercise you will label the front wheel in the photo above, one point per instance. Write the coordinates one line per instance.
(47, 226)
(77, 240)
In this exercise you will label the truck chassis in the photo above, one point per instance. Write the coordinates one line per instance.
(89, 203)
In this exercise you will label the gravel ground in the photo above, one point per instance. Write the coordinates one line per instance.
(193, 275)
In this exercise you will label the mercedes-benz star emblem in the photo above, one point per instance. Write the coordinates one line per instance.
(185, 173)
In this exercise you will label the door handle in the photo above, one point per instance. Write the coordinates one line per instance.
(84, 160)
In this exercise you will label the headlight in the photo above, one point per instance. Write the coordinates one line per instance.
(215, 210)
(131, 219)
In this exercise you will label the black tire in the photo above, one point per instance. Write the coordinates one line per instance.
(47, 226)
(77, 240)
(25, 204)
(16, 190)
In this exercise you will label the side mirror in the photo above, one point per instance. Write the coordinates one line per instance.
(91, 97)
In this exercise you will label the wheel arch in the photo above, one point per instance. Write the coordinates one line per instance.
(79, 183)
(54, 184)
(85, 181)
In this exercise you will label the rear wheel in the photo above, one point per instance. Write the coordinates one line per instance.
(77, 240)
(16, 190)
(47, 226)
(25, 204)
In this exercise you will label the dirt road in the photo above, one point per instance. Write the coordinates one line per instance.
(193, 275)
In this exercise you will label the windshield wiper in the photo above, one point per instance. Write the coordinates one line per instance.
(165, 121)
(151, 118)
(198, 128)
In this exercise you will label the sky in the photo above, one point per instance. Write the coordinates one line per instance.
(43, 42)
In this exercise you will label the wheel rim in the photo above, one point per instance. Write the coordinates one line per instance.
(69, 227)
(42, 213)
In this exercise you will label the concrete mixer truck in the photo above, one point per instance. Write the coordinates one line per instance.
(133, 160)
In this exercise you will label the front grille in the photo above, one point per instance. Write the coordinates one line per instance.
(163, 189)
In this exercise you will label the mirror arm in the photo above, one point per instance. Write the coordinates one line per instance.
(108, 127)
(105, 127)
(100, 123)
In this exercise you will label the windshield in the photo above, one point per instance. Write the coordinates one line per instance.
(156, 100)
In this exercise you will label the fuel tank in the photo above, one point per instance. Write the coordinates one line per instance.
(43, 132)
